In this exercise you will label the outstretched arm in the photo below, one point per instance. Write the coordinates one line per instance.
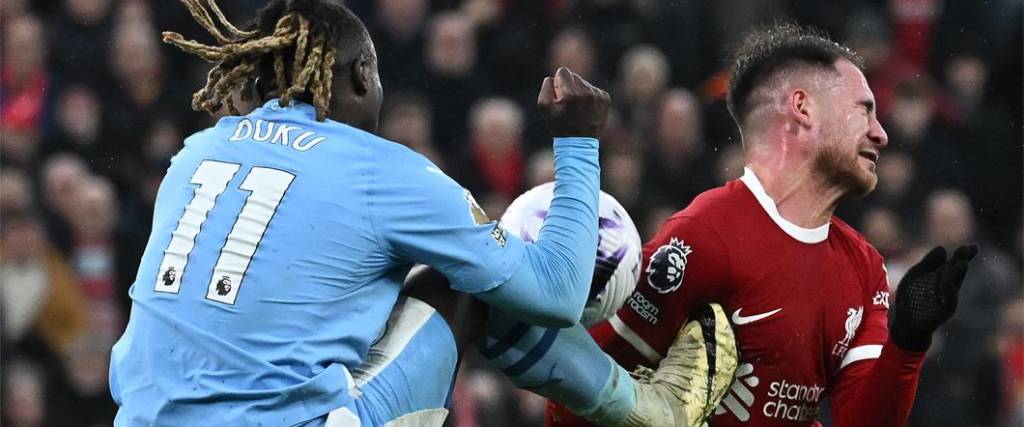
(423, 216)
(551, 285)
(880, 392)
(567, 366)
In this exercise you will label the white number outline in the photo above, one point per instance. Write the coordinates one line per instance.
(266, 188)
(212, 181)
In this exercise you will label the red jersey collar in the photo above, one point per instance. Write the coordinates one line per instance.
(801, 234)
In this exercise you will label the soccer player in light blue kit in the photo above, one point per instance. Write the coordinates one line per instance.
(566, 366)
(281, 239)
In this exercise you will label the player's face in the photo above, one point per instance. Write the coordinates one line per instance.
(852, 136)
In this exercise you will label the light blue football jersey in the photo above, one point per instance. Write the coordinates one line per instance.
(279, 246)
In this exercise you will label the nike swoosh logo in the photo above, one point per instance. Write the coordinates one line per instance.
(743, 320)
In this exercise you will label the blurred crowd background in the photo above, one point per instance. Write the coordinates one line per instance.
(93, 105)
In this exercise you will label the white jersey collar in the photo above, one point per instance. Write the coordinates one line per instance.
(801, 234)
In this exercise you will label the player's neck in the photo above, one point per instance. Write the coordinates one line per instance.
(800, 194)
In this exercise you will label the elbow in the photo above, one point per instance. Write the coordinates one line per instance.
(558, 317)
(567, 319)
(569, 309)
(556, 320)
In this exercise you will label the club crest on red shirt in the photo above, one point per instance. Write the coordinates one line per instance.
(667, 265)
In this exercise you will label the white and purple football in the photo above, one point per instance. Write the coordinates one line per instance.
(618, 247)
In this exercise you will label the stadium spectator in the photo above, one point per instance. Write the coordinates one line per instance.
(83, 390)
(12, 8)
(25, 76)
(79, 124)
(93, 256)
(540, 168)
(144, 91)
(60, 178)
(573, 48)
(85, 88)
(15, 191)
(686, 32)
(81, 42)
(614, 26)
(24, 395)
(964, 364)
(643, 77)
(915, 129)
(676, 167)
(883, 229)
(452, 84)
(40, 297)
(408, 120)
(24, 82)
(622, 176)
(397, 28)
(979, 118)
(913, 23)
(495, 158)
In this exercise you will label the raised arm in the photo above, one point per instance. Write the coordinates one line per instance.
(423, 216)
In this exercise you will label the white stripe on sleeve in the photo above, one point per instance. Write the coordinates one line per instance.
(863, 352)
(633, 339)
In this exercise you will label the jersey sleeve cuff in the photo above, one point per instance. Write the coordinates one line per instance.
(894, 351)
(576, 142)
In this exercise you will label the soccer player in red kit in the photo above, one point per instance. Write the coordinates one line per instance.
(806, 293)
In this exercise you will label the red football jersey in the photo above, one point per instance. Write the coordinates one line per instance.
(806, 304)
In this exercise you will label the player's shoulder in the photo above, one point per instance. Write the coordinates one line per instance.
(385, 150)
(403, 163)
(715, 209)
(856, 242)
(377, 144)
(706, 222)
(396, 163)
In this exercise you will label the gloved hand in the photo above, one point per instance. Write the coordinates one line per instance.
(927, 296)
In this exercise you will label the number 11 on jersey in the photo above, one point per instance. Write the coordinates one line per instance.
(266, 188)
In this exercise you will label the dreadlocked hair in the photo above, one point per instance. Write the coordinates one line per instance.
(287, 52)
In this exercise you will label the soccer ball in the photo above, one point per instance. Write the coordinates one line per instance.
(618, 248)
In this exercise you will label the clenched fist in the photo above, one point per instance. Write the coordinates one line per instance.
(572, 106)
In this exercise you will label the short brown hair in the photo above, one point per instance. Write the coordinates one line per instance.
(766, 51)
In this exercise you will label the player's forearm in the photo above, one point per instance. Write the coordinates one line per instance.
(568, 367)
(550, 286)
(886, 395)
(564, 365)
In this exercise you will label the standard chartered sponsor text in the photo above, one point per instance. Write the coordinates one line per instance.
(794, 402)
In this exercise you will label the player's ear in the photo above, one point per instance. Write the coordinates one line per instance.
(361, 75)
(798, 106)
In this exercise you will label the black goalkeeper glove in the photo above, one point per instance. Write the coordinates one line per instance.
(927, 296)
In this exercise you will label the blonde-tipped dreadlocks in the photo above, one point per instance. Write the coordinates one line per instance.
(241, 54)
